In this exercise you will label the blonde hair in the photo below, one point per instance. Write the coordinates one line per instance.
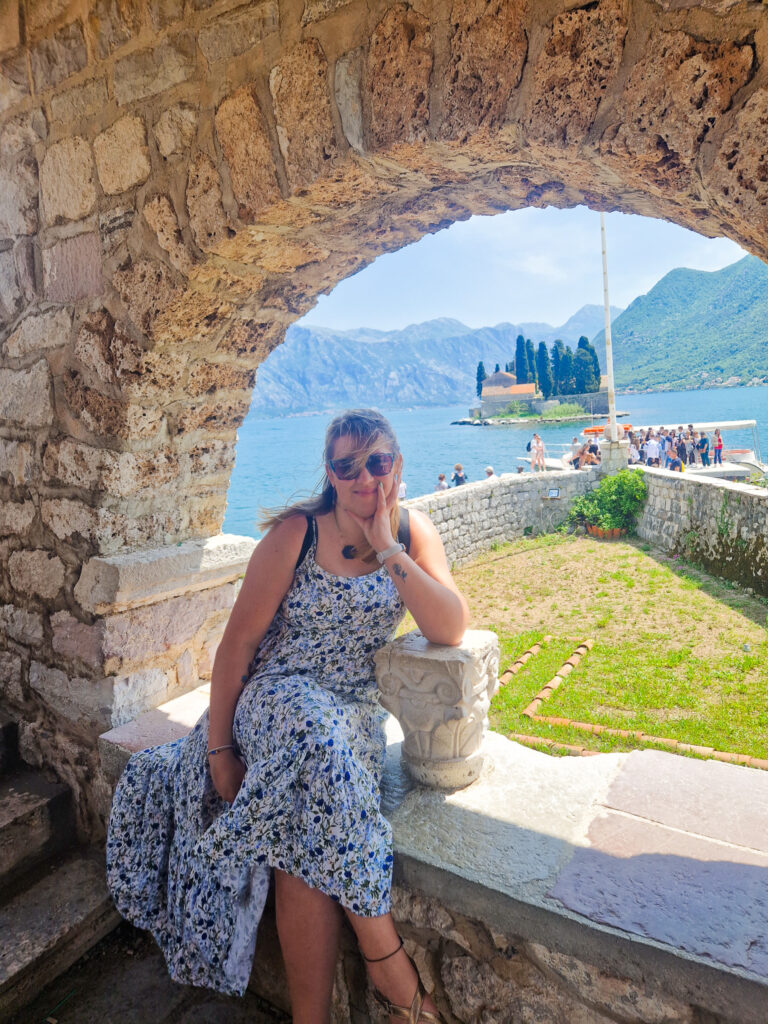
(367, 428)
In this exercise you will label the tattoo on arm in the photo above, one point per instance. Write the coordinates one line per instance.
(398, 571)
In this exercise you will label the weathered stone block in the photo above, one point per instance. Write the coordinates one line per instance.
(72, 269)
(224, 415)
(10, 676)
(78, 640)
(245, 143)
(59, 56)
(488, 50)
(48, 330)
(20, 134)
(113, 22)
(440, 695)
(316, 10)
(25, 396)
(165, 12)
(16, 517)
(88, 702)
(161, 217)
(39, 17)
(17, 462)
(612, 995)
(24, 261)
(80, 101)
(10, 31)
(175, 129)
(14, 83)
(69, 519)
(118, 473)
(146, 289)
(299, 87)
(578, 62)
(122, 157)
(18, 197)
(397, 78)
(133, 637)
(150, 576)
(347, 86)
(107, 416)
(38, 573)
(21, 625)
(66, 181)
(206, 212)
(149, 72)
(114, 226)
(11, 299)
(673, 99)
(237, 31)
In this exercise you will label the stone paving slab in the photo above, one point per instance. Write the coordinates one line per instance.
(169, 721)
(708, 798)
(516, 826)
(694, 894)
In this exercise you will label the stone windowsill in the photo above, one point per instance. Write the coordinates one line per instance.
(647, 865)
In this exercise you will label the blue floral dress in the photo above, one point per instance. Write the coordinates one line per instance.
(195, 870)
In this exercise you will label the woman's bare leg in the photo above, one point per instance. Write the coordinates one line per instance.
(308, 924)
(395, 977)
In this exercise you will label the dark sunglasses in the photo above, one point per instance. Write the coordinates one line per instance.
(378, 464)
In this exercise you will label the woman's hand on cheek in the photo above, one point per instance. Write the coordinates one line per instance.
(378, 529)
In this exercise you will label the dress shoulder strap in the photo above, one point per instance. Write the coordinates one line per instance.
(404, 529)
(306, 544)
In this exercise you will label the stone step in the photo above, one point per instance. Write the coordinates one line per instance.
(50, 925)
(36, 821)
(8, 744)
(169, 721)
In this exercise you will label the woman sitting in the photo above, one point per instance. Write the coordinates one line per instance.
(282, 774)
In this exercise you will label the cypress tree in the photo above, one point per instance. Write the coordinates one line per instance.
(498, 368)
(544, 370)
(595, 363)
(584, 371)
(521, 361)
(567, 386)
(531, 357)
(480, 377)
(557, 372)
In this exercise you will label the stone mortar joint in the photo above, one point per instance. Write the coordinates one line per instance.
(440, 695)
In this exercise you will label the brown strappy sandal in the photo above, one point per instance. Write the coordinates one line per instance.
(414, 1015)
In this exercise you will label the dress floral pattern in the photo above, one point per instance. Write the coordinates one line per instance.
(195, 870)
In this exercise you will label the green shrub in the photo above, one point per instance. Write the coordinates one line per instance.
(615, 504)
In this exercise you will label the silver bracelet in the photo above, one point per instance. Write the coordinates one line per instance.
(394, 549)
(218, 750)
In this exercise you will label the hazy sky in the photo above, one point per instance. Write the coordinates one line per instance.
(528, 265)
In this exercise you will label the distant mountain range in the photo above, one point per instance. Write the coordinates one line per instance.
(694, 329)
(432, 363)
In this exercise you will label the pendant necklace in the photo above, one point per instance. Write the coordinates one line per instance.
(348, 551)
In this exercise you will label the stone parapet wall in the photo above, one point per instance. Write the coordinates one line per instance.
(720, 525)
(475, 516)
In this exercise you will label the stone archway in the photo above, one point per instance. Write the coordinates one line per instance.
(179, 180)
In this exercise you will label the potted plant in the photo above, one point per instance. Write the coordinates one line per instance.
(612, 509)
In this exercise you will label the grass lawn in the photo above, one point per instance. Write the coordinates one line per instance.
(677, 653)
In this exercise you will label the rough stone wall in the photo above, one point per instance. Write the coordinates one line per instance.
(180, 179)
(719, 525)
(592, 402)
(481, 976)
(474, 516)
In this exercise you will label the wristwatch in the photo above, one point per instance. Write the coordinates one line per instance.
(382, 556)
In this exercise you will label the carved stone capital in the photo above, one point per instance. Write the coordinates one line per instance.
(440, 695)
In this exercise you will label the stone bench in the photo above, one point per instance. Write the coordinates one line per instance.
(622, 887)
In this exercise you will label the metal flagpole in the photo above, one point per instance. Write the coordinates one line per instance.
(613, 431)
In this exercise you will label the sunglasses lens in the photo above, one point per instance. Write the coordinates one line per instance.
(345, 469)
(379, 464)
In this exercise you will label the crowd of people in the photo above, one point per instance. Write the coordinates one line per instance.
(675, 449)
(668, 448)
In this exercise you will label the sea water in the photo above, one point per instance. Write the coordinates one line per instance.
(277, 459)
